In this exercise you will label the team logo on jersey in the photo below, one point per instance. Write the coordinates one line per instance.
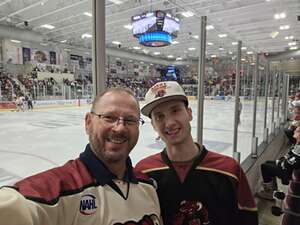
(88, 204)
(146, 220)
(191, 212)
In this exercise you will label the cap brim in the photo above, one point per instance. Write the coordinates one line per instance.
(147, 109)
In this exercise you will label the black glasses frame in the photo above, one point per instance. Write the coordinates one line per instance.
(140, 121)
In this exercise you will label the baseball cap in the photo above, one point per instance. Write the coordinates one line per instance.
(162, 92)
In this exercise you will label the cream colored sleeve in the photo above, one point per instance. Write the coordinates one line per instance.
(14, 208)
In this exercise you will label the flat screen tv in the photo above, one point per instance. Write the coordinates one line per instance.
(155, 21)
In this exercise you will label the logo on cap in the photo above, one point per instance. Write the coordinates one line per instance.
(159, 90)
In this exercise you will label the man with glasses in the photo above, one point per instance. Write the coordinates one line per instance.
(194, 185)
(100, 186)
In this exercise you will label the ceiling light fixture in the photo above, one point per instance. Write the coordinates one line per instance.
(282, 15)
(294, 48)
(279, 16)
(210, 27)
(289, 37)
(284, 27)
(15, 41)
(86, 35)
(88, 14)
(128, 26)
(210, 43)
(117, 2)
(63, 41)
(136, 47)
(116, 42)
(43, 2)
(187, 14)
(222, 35)
(156, 53)
(48, 26)
(192, 49)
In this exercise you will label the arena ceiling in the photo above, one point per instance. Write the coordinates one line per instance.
(251, 21)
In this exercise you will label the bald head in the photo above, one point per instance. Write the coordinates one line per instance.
(113, 90)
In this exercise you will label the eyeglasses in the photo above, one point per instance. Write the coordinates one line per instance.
(127, 121)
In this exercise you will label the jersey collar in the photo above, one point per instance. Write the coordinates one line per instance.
(198, 158)
(100, 172)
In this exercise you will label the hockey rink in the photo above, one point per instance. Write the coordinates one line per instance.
(33, 141)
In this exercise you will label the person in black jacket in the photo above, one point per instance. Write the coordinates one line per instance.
(281, 168)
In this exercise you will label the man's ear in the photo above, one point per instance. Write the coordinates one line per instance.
(88, 122)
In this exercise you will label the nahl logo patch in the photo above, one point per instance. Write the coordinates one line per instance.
(88, 204)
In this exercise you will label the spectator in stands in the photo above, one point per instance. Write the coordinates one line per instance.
(290, 130)
(290, 107)
(100, 187)
(292, 199)
(194, 185)
(280, 168)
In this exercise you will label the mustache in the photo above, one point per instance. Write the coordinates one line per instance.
(117, 136)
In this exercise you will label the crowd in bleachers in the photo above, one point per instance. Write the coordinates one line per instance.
(49, 86)
(9, 87)
(12, 86)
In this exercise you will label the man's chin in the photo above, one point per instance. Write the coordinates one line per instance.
(116, 154)
(115, 158)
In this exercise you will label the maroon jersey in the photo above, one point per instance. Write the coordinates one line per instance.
(214, 191)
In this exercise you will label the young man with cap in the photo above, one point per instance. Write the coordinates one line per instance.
(194, 185)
